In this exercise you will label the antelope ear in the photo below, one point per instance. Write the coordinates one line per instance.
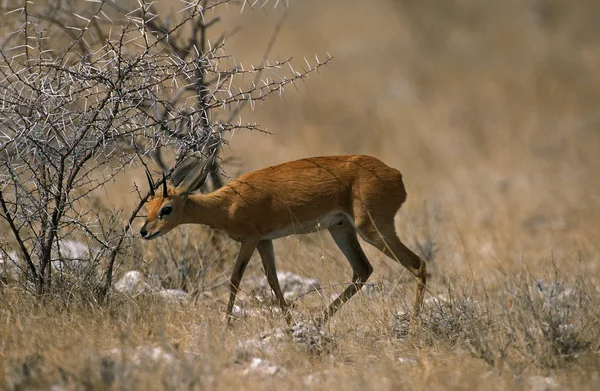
(196, 176)
(156, 155)
(184, 168)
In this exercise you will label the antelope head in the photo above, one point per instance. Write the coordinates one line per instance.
(166, 210)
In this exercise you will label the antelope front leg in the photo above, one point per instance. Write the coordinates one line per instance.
(265, 249)
(246, 251)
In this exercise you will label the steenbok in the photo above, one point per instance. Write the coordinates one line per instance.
(343, 194)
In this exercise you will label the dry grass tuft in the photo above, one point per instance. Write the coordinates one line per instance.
(527, 322)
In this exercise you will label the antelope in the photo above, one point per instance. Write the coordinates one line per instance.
(345, 195)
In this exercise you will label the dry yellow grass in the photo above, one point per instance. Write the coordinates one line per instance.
(490, 110)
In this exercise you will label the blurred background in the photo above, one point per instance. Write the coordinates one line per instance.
(488, 108)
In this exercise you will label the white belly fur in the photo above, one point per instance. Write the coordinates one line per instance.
(306, 227)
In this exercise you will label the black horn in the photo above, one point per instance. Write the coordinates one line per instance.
(164, 186)
(150, 182)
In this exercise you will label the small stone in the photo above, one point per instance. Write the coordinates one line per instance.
(260, 366)
(132, 283)
(173, 296)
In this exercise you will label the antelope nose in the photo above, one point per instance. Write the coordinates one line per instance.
(143, 232)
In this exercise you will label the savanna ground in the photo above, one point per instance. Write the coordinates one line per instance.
(490, 110)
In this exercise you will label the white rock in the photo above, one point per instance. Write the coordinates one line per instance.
(68, 256)
(541, 383)
(263, 367)
(238, 311)
(173, 295)
(72, 256)
(9, 265)
(145, 355)
(132, 283)
(72, 250)
(264, 344)
(407, 361)
(292, 286)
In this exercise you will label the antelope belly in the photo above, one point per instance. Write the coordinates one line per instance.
(297, 228)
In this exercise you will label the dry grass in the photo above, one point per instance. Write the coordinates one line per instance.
(532, 332)
(490, 109)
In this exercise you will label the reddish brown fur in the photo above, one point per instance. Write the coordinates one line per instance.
(271, 202)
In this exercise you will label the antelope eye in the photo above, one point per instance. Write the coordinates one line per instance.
(166, 210)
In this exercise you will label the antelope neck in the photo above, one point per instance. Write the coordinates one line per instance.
(204, 209)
